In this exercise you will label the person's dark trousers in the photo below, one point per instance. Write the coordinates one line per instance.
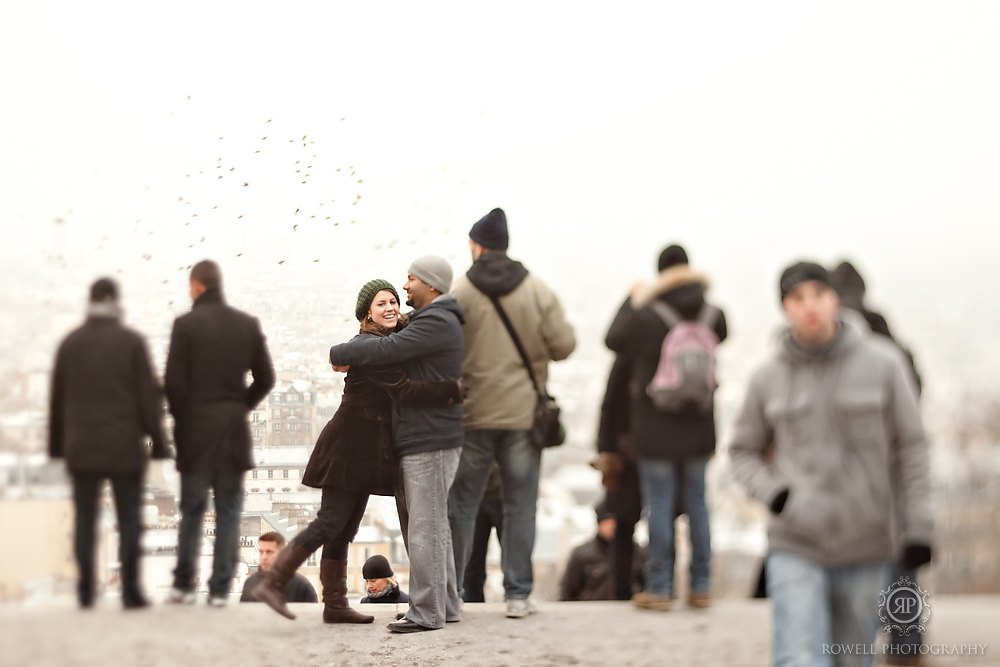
(227, 487)
(489, 517)
(336, 523)
(127, 490)
(900, 645)
(626, 504)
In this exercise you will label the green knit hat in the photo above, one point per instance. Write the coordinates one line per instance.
(368, 292)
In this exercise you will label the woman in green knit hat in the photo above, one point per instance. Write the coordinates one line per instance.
(354, 458)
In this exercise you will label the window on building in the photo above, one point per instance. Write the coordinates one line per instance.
(253, 474)
(255, 416)
(270, 474)
(277, 427)
(286, 473)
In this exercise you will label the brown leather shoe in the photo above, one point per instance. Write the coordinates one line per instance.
(699, 600)
(336, 609)
(651, 601)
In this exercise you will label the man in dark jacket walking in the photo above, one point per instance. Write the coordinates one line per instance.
(104, 401)
(673, 446)
(428, 440)
(211, 350)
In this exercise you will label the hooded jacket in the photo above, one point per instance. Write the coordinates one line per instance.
(848, 444)
(636, 335)
(429, 348)
(501, 395)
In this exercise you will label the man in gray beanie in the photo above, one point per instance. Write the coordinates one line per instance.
(501, 402)
(428, 440)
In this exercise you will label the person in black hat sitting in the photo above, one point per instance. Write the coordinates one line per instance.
(380, 582)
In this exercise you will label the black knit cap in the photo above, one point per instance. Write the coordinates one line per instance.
(849, 284)
(367, 294)
(672, 255)
(800, 272)
(376, 567)
(103, 289)
(491, 230)
(603, 510)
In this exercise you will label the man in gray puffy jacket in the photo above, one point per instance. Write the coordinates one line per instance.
(830, 438)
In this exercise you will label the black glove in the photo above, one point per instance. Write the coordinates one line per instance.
(915, 555)
(779, 501)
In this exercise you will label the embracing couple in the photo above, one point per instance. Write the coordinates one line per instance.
(398, 431)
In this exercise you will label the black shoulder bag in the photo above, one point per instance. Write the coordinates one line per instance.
(546, 429)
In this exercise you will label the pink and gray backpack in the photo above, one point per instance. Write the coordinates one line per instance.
(685, 374)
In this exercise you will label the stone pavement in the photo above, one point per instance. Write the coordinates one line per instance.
(734, 632)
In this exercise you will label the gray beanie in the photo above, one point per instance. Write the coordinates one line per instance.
(432, 270)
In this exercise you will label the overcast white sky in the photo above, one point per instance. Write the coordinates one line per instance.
(753, 132)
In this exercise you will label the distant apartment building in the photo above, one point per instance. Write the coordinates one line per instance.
(287, 418)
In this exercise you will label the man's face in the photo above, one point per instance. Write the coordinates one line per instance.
(418, 292)
(606, 528)
(268, 552)
(811, 308)
(375, 586)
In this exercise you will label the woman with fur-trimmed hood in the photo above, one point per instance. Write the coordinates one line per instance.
(354, 458)
(673, 447)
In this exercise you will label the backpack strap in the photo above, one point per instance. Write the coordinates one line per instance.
(709, 315)
(669, 316)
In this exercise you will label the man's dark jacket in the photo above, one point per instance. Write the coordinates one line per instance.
(431, 347)
(211, 349)
(104, 399)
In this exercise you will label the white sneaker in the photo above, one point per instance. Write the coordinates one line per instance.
(177, 596)
(217, 601)
(519, 608)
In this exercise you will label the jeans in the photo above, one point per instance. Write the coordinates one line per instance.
(336, 523)
(490, 517)
(659, 480)
(820, 612)
(520, 465)
(626, 504)
(228, 500)
(127, 489)
(433, 584)
(900, 644)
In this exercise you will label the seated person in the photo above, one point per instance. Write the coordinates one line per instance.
(588, 571)
(298, 589)
(380, 582)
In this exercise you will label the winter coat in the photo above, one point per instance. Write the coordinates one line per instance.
(392, 597)
(429, 348)
(104, 398)
(354, 451)
(501, 395)
(637, 333)
(298, 588)
(848, 445)
(211, 349)
(588, 573)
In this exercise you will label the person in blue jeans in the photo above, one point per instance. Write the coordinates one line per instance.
(673, 446)
(830, 439)
(499, 409)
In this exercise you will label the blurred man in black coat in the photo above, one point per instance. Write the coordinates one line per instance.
(211, 350)
(104, 402)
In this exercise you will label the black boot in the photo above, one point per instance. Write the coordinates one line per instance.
(336, 609)
(272, 589)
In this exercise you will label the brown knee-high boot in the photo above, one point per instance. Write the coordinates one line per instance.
(272, 589)
(336, 609)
